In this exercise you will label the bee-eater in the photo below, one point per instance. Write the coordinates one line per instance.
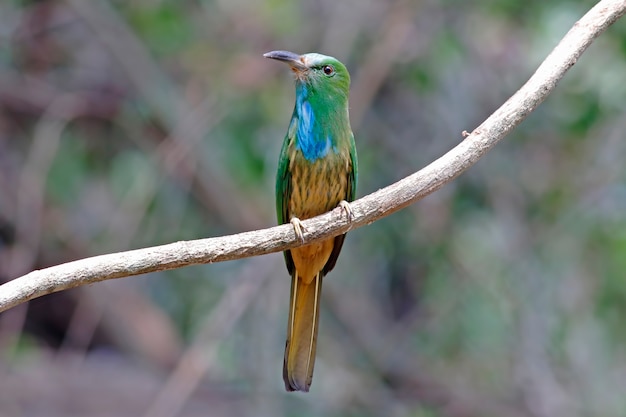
(317, 171)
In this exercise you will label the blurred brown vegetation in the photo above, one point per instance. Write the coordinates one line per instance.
(130, 124)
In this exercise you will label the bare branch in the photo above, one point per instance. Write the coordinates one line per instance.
(365, 210)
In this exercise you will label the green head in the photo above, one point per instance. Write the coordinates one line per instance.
(317, 73)
(320, 123)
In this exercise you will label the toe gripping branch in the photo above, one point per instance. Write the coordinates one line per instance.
(299, 229)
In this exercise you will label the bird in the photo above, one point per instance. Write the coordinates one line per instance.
(317, 172)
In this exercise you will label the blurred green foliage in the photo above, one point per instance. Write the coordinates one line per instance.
(132, 124)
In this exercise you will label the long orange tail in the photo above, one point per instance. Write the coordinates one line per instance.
(304, 313)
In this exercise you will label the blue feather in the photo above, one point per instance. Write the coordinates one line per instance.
(309, 140)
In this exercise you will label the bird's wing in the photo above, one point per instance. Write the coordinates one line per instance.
(284, 188)
(354, 172)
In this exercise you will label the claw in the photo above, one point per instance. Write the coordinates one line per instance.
(347, 208)
(298, 228)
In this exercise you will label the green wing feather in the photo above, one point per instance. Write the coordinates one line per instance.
(284, 187)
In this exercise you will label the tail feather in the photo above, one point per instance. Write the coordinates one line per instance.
(302, 332)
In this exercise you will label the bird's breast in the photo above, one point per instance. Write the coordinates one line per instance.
(318, 186)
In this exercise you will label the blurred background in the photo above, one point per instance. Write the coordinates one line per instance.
(132, 124)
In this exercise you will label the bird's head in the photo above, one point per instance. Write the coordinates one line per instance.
(318, 71)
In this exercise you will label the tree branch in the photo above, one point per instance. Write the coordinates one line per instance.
(365, 210)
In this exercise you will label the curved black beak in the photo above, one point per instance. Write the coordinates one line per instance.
(294, 60)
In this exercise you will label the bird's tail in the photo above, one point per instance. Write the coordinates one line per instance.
(302, 332)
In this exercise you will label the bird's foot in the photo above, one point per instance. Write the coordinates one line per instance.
(298, 228)
(347, 208)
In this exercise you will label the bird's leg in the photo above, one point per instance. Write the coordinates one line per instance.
(347, 208)
(298, 228)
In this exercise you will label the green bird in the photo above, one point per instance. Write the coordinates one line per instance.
(317, 171)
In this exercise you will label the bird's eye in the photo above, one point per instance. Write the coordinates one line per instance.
(328, 70)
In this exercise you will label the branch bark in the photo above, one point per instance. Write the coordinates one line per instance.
(365, 210)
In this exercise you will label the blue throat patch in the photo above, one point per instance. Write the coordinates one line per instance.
(310, 139)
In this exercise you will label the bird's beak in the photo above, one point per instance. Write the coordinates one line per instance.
(295, 61)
